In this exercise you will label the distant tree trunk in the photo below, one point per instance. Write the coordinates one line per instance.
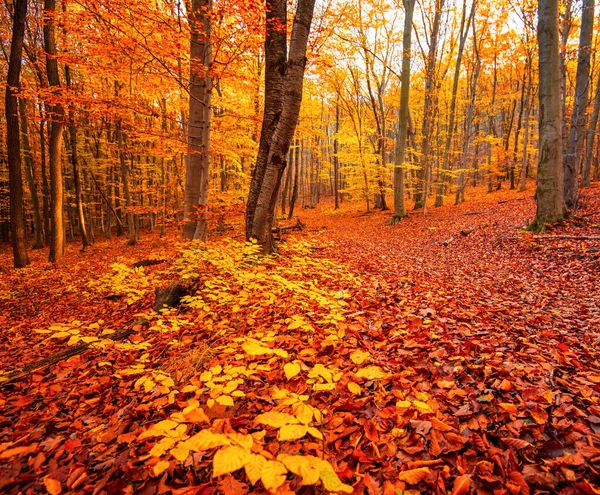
(294, 195)
(550, 194)
(125, 174)
(525, 162)
(428, 110)
(283, 97)
(38, 225)
(439, 199)
(75, 164)
(196, 179)
(336, 161)
(13, 139)
(579, 114)
(44, 172)
(591, 134)
(399, 205)
(56, 115)
(567, 23)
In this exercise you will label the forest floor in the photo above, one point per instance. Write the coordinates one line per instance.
(452, 353)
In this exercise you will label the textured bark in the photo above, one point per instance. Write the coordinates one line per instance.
(196, 180)
(399, 205)
(56, 116)
(591, 135)
(579, 115)
(125, 174)
(550, 196)
(278, 127)
(336, 161)
(13, 139)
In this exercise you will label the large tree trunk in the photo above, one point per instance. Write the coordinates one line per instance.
(399, 206)
(579, 115)
(285, 93)
(196, 179)
(13, 139)
(56, 115)
(591, 134)
(550, 195)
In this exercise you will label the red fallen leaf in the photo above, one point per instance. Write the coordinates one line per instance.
(440, 425)
(421, 427)
(509, 408)
(230, 486)
(587, 487)
(562, 347)
(462, 485)
(371, 431)
(516, 443)
(372, 486)
(517, 478)
(534, 475)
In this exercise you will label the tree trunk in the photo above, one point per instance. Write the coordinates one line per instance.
(196, 180)
(399, 205)
(279, 130)
(13, 139)
(336, 161)
(579, 114)
(591, 134)
(75, 164)
(38, 225)
(56, 116)
(44, 172)
(550, 194)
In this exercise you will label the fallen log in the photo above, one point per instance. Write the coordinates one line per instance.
(45, 363)
(511, 200)
(138, 264)
(448, 241)
(288, 228)
(466, 232)
(171, 295)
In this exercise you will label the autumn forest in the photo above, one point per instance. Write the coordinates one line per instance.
(304, 246)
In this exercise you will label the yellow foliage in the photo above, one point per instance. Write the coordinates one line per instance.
(230, 459)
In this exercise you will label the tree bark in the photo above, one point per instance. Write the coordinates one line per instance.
(399, 205)
(56, 116)
(579, 114)
(550, 193)
(13, 138)
(278, 131)
(196, 180)
(591, 135)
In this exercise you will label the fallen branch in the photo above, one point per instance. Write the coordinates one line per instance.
(448, 241)
(568, 237)
(45, 363)
(510, 200)
(138, 264)
(466, 232)
(478, 212)
(288, 228)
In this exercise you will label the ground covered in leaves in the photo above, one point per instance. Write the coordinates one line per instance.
(452, 353)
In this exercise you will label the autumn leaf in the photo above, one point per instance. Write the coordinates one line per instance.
(413, 476)
(273, 475)
(291, 432)
(53, 486)
(462, 485)
(509, 408)
(291, 370)
(160, 467)
(516, 443)
(370, 373)
(276, 419)
(230, 459)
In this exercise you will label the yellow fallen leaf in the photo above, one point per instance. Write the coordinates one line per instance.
(276, 419)
(355, 388)
(422, 407)
(160, 467)
(315, 433)
(206, 440)
(301, 465)
(159, 429)
(359, 356)
(370, 373)
(181, 453)
(225, 400)
(291, 432)
(291, 370)
(230, 459)
(331, 480)
(273, 475)
(254, 468)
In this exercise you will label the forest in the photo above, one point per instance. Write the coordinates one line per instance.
(300, 246)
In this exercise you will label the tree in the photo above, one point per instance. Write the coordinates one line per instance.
(284, 77)
(196, 179)
(551, 206)
(13, 139)
(399, 206)
(56, 114)
(579, 114)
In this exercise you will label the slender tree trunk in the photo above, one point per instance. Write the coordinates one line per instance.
(579, 114)
(125, 179)
(278, 131)
(13, 139)
(56, 115)
(197, 167)
(294, 195)
(399, 205)
(591, 134)
(38, 225)
(439, 199)
(44, 172)
(567, 23)
(550, 194)
(525, 162)
(336, 161)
